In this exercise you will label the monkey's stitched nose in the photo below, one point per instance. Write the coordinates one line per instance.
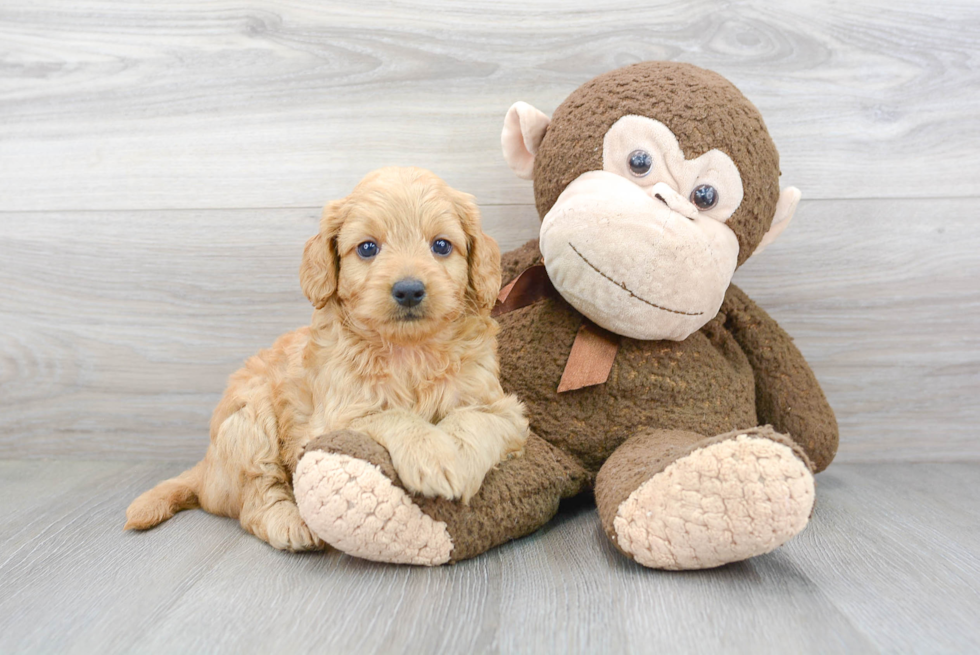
(408, 292)
(675, 201)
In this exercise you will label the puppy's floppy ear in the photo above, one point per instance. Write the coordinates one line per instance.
(321, 266)
(483, 257)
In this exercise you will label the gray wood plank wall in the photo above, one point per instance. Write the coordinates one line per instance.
(161, 166)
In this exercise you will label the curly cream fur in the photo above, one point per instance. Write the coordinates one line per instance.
(425, 387)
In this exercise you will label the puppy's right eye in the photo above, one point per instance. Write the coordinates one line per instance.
(368, 249)
(442, 247)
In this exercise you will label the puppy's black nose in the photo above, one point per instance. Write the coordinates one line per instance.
(408, 292)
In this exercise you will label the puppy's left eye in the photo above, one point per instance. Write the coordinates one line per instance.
(442, 247)
(367, 250)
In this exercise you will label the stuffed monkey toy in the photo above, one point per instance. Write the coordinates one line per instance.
(649, 379)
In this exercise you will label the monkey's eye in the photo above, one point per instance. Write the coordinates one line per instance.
(442, 247)
(368, 250)
(640, 163)
(704, 197)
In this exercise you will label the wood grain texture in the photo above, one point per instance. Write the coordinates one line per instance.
(118, 329)
(212, 104)
(884, 301)
(162, 164)
(889, 563)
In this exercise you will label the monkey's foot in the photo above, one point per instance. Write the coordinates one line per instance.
(353, 506)
(725, 502)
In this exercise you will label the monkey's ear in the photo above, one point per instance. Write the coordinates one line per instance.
(320, 267)
(785, 208)
(524, 128)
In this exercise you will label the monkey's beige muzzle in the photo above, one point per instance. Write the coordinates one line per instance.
(633, 263)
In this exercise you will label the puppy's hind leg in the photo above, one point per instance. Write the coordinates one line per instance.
(268, 508)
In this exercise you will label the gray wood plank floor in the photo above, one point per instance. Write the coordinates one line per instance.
(889, 563)
(161, 165)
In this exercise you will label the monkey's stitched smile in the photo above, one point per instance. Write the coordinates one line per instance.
(623, 286)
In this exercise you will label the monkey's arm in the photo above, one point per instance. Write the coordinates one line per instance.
(787, 394)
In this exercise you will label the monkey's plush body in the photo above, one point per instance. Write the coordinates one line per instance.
(649, 379)
(664, 400)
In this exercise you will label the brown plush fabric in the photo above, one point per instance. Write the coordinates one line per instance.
(787, 394)
(517, 497)
(516, 261)
(703, 109)
(648, 453)
(706, 384)
(703, 384)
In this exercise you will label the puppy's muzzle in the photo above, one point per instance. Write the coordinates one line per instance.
(408, 292)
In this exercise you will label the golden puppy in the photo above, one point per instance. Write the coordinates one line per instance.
(401, 347)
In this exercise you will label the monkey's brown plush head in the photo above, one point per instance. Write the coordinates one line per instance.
(653, 182)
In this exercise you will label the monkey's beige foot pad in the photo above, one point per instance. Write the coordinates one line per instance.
(354, 507)
(722, 503)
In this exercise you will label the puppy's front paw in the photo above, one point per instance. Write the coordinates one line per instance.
(471, 467)
(428, 466)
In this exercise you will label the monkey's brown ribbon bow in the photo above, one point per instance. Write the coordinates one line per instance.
(594, 349)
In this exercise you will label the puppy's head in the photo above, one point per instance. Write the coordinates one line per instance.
(402, 256)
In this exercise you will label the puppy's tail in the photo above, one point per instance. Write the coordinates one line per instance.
(166, 499)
